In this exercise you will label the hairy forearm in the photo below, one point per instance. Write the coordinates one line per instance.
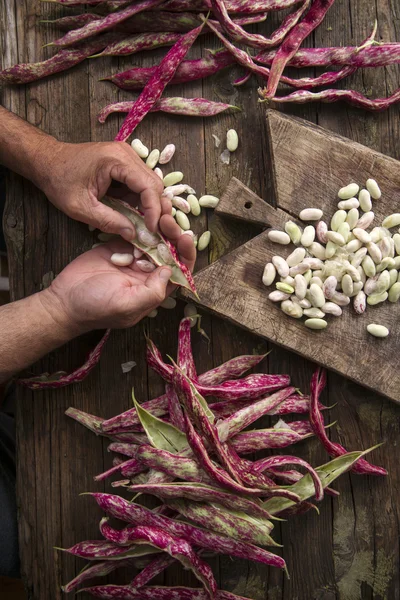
(29, 329)
(25, 149)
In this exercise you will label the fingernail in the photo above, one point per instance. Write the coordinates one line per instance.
(165, 274)
(128, 234)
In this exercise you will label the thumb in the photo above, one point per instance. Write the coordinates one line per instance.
(154, 290)
(111, 221)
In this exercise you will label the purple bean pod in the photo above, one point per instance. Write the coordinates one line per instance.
(244, 417)
(129, 419)
(233, 6)
(87, 420)
(132, 467)
(134, 513)
(185, 358)
(100, 569)
(203, 493)
(233, 525)
(291, 476)
(362, 466)
(174, 465)
(231, 369)
(95, 549)
(121, 592)
(105, 23)
(188, 70)
(163, 74)
(350, 96)
(293, 41)
(123, 448)
(175, 409)
(176, 547)
(254, 441)
(43, 382)
(275, 461)
(377, 55)
(157, 566)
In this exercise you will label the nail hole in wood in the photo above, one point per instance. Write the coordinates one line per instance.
(248, 205)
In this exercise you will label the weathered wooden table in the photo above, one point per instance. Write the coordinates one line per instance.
(351, 550)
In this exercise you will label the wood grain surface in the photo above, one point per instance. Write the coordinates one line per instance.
(232, 287)
(350, 551)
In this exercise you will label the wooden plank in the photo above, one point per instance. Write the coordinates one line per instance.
(232, 287)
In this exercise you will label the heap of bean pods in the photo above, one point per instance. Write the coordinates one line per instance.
(190, 448)
(346, 264)
(124, 27)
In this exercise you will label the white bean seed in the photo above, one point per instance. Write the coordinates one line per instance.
(288, 279)
(152, 158)
(362, 235)
(280, 265)
(307, 275)
(374, 253)
(296, 257)
(165, 254)
(364, 198)
(321, 229)
(173, 178)
(140, 148)
(204, 241)
(347, 285)
(313, 263)
(310, 214)
(299, 269)
(151, 240)
(158, 172)
(278, 296)
(387, 263)
(173, 211)
(374, 299)
(293, 231)
(153, 314)
(318, 273)
(370, 285)
(348, 204)
(304, 303)
(317, 297)
(269, 274)
(365, 221)
(169, 303)
(376, 235)
(348, 191)
(344, 231)
(335, 237)
(137, 253)
(384, 246)
(394, 292)
(373, 189)
(329, 287)
(393, 277)
(397, 262)
(316, 324)
(392, 250)
(278, 237)
(383, 283)
(145, 265)
(358, 257)
(396, 239)
(121, 260)
(314, 313)
(363, 277)
(300, 286)
(330, 249)
(338, 218)
(340, 299)
(291, 309)
(191, 311)
(181, 204)
(182, 220)
(317, 250)
(379, 331)
(391, 221)
(308, 236)
(232, 140)
(330, 308)
(369, 266)
(284, 287)
(208, 201)
(194, 205)
(317, 281)
(360, 303)
(167, 154)
(353, 216)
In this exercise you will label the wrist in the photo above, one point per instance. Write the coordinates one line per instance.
(56, 318)
(44, 158)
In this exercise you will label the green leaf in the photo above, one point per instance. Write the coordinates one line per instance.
(161, 435)
(305, 486)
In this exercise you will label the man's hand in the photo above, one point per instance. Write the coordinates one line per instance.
(81, 174)
(92, 293)
(75, 177)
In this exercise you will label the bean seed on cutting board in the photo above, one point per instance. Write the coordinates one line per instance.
(278, 237)
(349, 191)
(376, 330)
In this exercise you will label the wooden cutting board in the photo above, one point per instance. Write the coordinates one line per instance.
(309, 165)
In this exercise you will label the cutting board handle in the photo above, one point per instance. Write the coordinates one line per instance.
(241, 203)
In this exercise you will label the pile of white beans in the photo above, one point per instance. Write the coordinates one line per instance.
(336, 265)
